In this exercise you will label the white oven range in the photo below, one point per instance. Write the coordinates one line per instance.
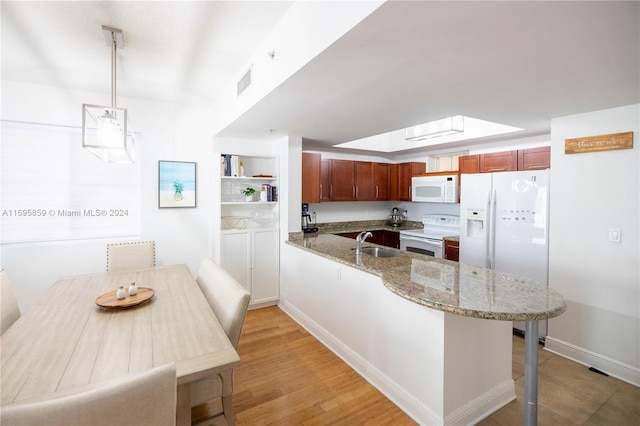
(430, 239)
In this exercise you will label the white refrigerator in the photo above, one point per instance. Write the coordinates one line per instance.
(504, 225)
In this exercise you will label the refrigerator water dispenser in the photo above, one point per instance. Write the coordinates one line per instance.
(475, 224)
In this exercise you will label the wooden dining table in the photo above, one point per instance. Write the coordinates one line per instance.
(67, 341)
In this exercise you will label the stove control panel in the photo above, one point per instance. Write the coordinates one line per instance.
(443, 220)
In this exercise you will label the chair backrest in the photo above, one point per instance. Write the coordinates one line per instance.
(135, 255)
(8, 304)
(146, 398)
(227, 298)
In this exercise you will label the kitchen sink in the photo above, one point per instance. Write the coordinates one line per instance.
(380, 252)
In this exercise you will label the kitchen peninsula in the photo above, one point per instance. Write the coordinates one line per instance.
(414, 326)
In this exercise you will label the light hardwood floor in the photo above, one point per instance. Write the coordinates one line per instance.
(287, 377)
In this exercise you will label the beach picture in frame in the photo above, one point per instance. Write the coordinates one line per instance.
(176, 184)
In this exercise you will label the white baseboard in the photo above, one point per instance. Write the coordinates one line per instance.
(582, 356)
(469, 414)
(484, 405)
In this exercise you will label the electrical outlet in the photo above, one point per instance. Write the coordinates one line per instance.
(614, 235)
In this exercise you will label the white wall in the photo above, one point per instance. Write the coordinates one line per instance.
(169, 132)
(600, 280)
(306, 30)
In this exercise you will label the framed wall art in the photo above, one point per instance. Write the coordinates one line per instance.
(176, 184)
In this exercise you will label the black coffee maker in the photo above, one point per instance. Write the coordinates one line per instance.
(306, 224)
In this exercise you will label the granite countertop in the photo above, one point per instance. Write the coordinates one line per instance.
(365, 225)
(442, 284)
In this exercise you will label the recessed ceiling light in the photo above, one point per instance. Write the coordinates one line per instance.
(435, 129)
(397, 140)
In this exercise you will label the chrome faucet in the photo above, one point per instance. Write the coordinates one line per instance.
(360, 239)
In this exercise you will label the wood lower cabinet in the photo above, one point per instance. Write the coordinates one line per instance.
(392, 239)
(380, 236)
(451, 250)
(311, 177)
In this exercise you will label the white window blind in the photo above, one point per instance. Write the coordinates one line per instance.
(53, 190)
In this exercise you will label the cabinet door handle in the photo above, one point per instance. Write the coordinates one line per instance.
(376, 191)
(356, 191)
(321, 191)
(499, 169)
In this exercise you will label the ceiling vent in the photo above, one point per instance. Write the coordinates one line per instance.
(244, 82)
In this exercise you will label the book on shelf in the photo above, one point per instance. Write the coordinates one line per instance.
(271, 192)
(230, 165)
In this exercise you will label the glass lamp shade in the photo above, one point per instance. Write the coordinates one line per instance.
(105, 134)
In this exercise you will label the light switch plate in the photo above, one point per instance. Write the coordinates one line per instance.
(614, 235)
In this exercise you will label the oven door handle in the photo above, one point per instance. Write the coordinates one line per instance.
(422, 240)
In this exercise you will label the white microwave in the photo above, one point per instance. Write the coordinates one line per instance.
(434, 189)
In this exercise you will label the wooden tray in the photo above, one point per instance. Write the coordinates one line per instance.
(109, 300)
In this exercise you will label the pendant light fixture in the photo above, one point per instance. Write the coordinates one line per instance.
(105, 129)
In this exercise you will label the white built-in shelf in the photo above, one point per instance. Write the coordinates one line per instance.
(249, 178)
(249, 203)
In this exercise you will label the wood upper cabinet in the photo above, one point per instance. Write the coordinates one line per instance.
(522, 159)
(393, 181)
(381, 181)
(310, 177)
(347, 180)
(326, 190)
(506, 161)
(469, 164)
(534, 158)
(363, 182)
(343, 180)
(405, 172)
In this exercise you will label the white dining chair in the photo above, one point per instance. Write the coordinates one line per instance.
(134, 255)
(8, 304)
(138, 399)
(229, 301)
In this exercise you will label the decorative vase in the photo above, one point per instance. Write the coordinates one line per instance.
(121, 293)
(248, 198)
(133, 289)
(177, 196)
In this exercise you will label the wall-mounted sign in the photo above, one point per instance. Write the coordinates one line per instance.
(610, 142)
